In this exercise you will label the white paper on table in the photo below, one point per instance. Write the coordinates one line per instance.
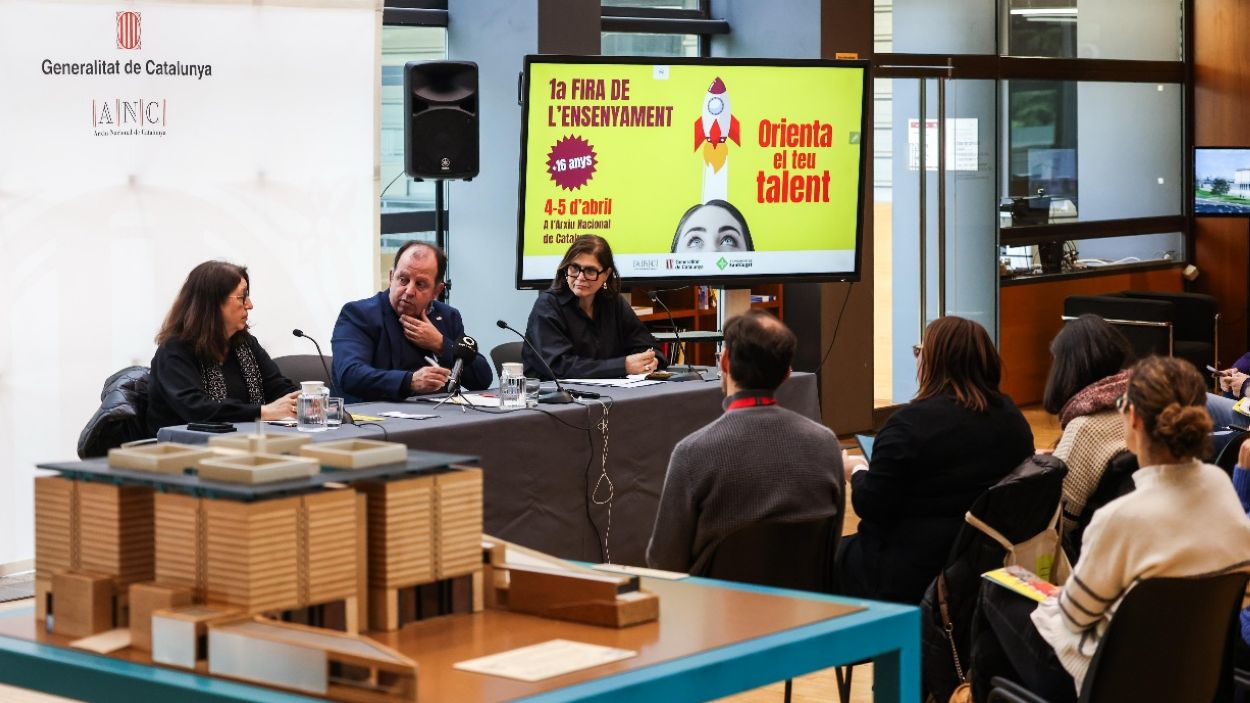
(634, 381)
(399, 415)
(477, 400)
(641, 571)
(543, 661)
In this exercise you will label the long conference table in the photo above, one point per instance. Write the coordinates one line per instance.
(543, 467)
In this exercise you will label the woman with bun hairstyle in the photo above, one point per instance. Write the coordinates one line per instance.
(1149, 533)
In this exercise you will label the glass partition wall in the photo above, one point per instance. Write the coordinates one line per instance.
(1053, 140)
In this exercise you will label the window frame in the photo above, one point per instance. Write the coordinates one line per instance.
(1004, 68)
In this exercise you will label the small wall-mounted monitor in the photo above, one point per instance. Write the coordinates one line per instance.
(1222, 181)
(710, 170)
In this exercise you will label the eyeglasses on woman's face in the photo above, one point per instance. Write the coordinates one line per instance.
(590, 273)
(242, 298)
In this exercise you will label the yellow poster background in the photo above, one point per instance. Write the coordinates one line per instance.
(654, 174)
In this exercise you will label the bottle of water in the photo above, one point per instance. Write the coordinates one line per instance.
(311, 407)
(512, 386)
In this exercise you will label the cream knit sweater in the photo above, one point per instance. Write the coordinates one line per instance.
(1148, 533)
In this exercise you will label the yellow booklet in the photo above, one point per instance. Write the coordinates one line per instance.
(1022, 581)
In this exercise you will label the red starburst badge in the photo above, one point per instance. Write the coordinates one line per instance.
(572, 162)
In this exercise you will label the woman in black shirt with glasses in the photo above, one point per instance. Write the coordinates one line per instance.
(582, 326)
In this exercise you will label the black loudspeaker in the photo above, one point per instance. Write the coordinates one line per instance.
(440, 120)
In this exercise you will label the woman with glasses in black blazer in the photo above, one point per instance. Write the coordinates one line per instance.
(582, 326)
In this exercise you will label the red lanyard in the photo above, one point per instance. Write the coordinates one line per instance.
(754, 401)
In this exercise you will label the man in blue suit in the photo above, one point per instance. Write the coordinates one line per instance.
(383, 344)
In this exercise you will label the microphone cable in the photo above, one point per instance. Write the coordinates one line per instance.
(606, 402)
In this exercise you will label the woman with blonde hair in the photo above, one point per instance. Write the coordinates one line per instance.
(930, 461)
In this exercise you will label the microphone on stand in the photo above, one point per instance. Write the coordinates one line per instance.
(559, 395)
(347, 417)
(464, 350)
(324, 366)
(689, 374)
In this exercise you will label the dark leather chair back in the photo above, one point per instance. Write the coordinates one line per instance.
(1169, 640)
(796, 554)
(1227, 458)
(1197, 318)
(303, 367)
(122, 415)
(1146, 323)
(505, 353)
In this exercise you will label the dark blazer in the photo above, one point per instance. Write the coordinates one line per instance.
(577, 346)
(176, 392)
(374, 361)
(929, 463)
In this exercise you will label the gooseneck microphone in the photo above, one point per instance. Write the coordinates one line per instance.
(324, 367)
(557, 397)
(689, 374)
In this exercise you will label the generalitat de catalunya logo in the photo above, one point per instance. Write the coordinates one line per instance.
(129, 30)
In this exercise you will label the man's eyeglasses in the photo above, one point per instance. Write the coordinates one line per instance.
(590, 272)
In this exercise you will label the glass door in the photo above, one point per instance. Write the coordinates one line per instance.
(935, 226)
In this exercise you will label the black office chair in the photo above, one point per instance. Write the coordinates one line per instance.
(506, 353)
(1148, 324)
(795, 554)
(1169, 640)
(1227, 458)
(304, 367)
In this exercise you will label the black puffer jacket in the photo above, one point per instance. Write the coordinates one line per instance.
(122, 413)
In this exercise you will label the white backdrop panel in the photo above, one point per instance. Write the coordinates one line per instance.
(268, 161)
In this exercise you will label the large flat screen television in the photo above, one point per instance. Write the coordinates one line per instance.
(1222, 181)
(721, 171)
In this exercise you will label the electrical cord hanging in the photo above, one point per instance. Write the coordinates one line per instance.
(604, 547)
(388, 185)
(836, 325)
(590, 458)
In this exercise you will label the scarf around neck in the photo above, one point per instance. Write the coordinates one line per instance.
(1094, 398)
(215, 380)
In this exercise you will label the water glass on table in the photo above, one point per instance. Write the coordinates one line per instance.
(533, 386)
(334, 412)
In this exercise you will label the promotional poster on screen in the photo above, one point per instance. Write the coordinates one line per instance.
(707, 170)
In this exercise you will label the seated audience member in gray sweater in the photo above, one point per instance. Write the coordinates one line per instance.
(757, 462)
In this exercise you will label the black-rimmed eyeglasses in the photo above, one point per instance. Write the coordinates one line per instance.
(590, 272)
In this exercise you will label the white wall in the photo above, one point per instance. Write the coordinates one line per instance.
(269, 162)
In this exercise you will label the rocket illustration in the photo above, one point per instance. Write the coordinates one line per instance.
(714, 128)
